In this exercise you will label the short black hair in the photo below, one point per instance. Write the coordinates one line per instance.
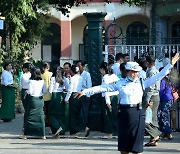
(27, 65)
(142, 62)
(82, 62)
(75, 69)
(126, 54)
(6, 63)
(150, 59)
(110, 59)
(119, 56)
(67, 63)
(123, 70)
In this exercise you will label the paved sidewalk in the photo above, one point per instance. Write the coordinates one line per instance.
(94, 144)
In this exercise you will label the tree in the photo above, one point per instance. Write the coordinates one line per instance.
(25, 22)
(24, 25)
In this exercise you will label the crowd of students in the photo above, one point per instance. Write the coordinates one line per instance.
(47, 98)
(61, 99)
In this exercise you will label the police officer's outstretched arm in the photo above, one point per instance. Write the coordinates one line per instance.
(166, 70)
(97, 89)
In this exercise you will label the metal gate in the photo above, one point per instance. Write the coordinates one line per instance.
(139, 50)
(116, 41)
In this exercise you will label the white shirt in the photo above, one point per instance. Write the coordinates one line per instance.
(142, 74)
(36, 88)
(116, 68)
(106, 80)
(130, 92)
(55, 87)
(24, 80)
(75, 85)
(6, 78)
(87, 83)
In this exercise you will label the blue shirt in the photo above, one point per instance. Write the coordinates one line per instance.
(165, 92)
(6, 78)
(154, 88)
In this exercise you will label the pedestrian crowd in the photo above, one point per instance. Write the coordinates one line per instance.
(132, 92)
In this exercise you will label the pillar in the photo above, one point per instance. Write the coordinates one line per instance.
(66, 42)
(95, 21)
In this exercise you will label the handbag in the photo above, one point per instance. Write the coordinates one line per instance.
(175, 94)
(148, 118)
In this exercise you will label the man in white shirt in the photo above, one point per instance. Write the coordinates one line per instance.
(116, 66)
(87, 83)
(126, 58)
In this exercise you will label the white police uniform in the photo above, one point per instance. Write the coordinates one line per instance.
(131, 118)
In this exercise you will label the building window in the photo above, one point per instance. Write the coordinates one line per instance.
(176, 33)
(51, 47)
(137, 33)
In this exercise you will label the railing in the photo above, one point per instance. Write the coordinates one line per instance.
(139, 50)
(121, 40)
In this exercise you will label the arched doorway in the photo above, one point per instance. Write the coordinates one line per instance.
(137, 33)
(51, 47)
(176, 33)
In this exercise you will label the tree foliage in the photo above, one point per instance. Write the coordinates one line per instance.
(25, 23)
(134, 2)
(64, 5)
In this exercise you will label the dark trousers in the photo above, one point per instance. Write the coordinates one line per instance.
(85, 109)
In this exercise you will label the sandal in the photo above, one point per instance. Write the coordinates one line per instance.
(151, 143)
